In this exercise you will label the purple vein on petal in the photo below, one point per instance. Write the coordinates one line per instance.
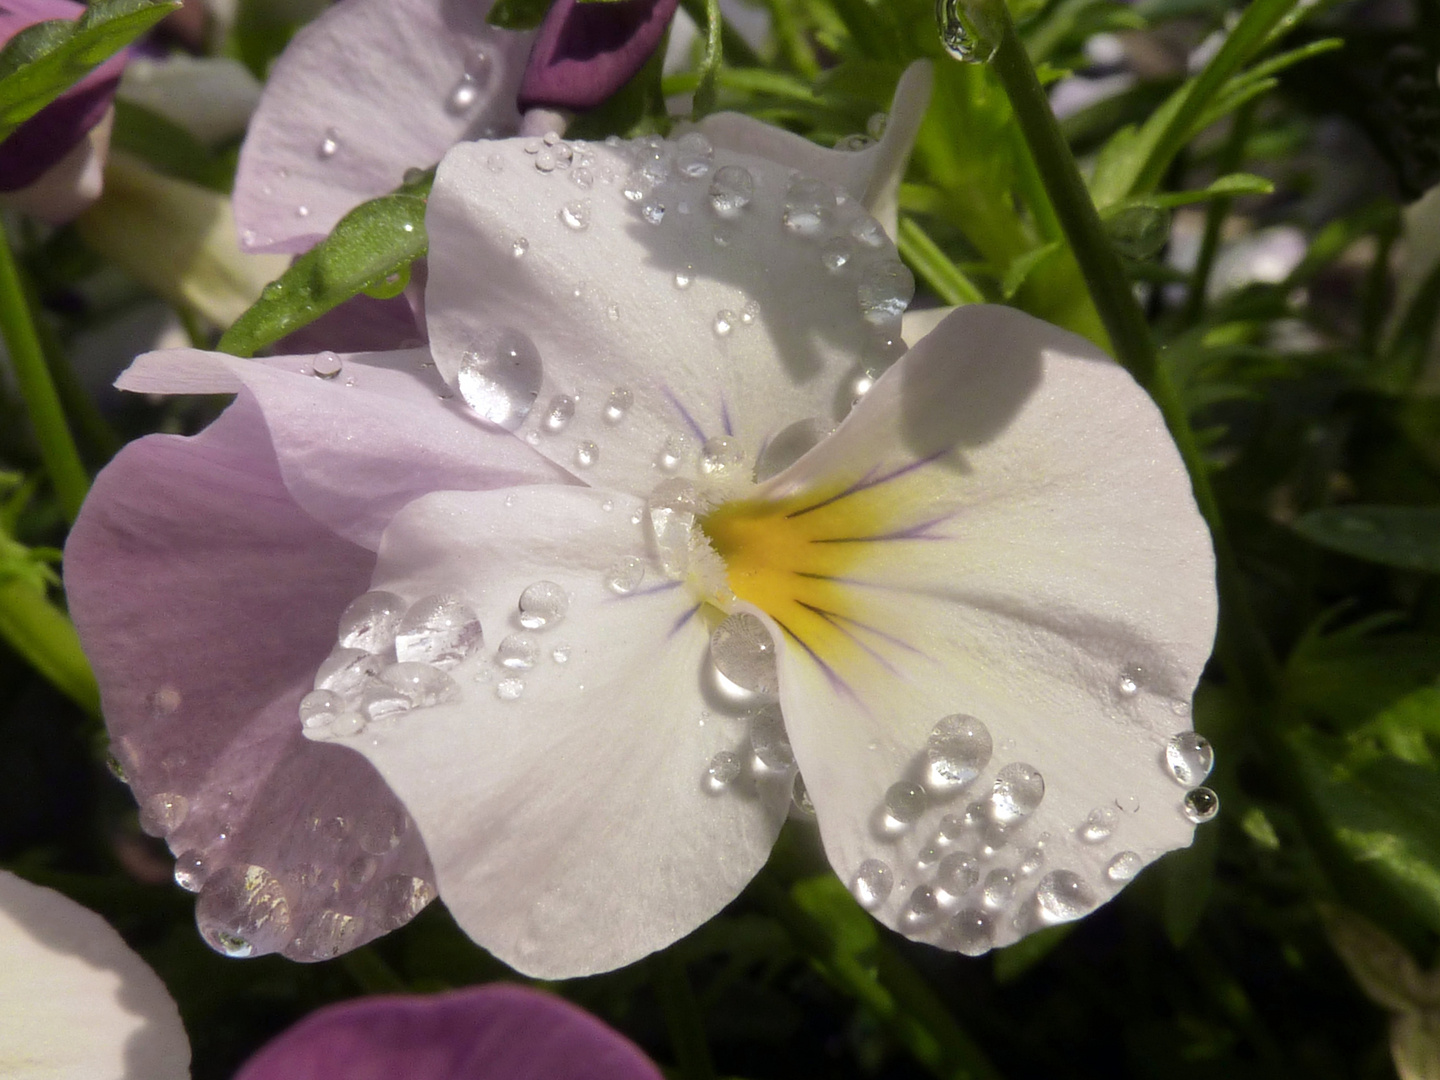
(832, 617)
(910, 532)
(681, 621)
(725, 416)
(870, 480)
(835, 620)
(684, 413)
(836, 682)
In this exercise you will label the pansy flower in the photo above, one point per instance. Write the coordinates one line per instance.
(674, 513)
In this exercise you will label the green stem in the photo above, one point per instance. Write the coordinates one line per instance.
(41, 633)
(371, 973)
(1231, 157)
(1241, 646)
(42, 403)
(682, 1017)
(942, 275)
(736, 47)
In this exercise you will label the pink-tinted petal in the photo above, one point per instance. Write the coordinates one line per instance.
(361, 324)
(587, 51)
(368, 90)
(483, 1033)
(205, 598)
(355, 447)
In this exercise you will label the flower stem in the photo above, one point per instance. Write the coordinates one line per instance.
(682, 1017)
(1231, 157)
(1242, 647)
(42, 403)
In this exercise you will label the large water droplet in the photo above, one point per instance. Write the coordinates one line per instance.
(1100, 824)
(1063, 895)
(440, 630)
(1189, 757)
(741, 649)
(381, 829)
(325, 936)
(768, 739)
(319, 710)
(370, 622)
(958, 748)
(721, 455)
(162, 814)
(559, 413)
(693, 154)
(731, 189)
(576, 215)
(618, 405)
(922, 907)
(885, 290)
(243, 911)
(809, 207)
(346, 671)
(998, 889)
(905, 803)
(1124, 866)
(518, 652)
(962, 37)
(397, 900)
(837, 254)
(724, 769)
(671, 512)
(1201, 805)
(873, 884)
(1031, 861)
(500, 378)
(1018, 791)
(191, 870)
(381, 701)
(423, 685)
(326, 365)
(625, 576)
(958, 873)
(970, 932)
(542, 604)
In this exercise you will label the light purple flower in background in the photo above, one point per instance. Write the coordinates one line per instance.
(491, 1032)
(616, 572)
(51, 164)
(584, 52)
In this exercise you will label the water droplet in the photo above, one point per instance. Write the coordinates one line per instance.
(927, 856)
(837, 254)
(1124, 867)
(360, 870)
(768, 739)
(625, 576)
(243, 911)
(809, 207)
(586, 453)
(653, 211)
(721, 455)
(440, 630)
(1129, 682)
(958, 748)
(958, 873)
(463, 95)
(1102, 822)
(618, 405)
(329, 144)
(1031, 861)
(922, 907)
(749, 313)
(397, 900)
(345, 671)
(560, 413)
(613, 312)
(671, 511)
(422, 684)
(576, 215)
(1189, 757)
(731, 189)
(693, 154)
(517, 652)
(370, 622)
(904, 804)
(325, 936)
(326, 365)
(724, 322)
(319, 709)
(970, 932)
(852, 143)
(951, 828)
(500, 378)
(867, 231)
(519, 247)
(1138, 231)
(1063, 895)
(725, 767)
(670, 455)
(961, 35)
(740, 647)
(191, 870)
(1018, 791)
(875, 126)
(999, 887)
(885, 291)
(1201, 805)
(560, 654)
(162, 814)
(302, 211)
(542, 604)
(873, 884)
(381, 830)
(800, 800)
(381, 701)
(684, 277)
(509, 689)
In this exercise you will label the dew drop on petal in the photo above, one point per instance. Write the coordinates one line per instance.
(1123, 867)
(671, 452)
(519, 246)
(885, 291)
(1201, 805)
(243, 911)
(382, 829)
(1018, 791)
(999, 887)
(971, 932)
(852, 143)
(768, 738)
(1063, 895)
(740, 647)
(463, 95)
(625, 576)
(542, 604)
(517, 652)
(501, 378)
(397, 900)
(325, 936)
(724, 769)
(873, 884)
(440, 629)
(384, 702)
(722, 455)
(725, 320)
(905, 802)
(653, 211)
(684, 277)
(618, 405)
(319, 709)
(423, 685)
(951, 828)
(162, 814)
(1031, 861)
(576, 215)
(191, 870)
(1189, 757)
(326, 365)
(693, 154)
(837, 254)
(1100, 824)
(922, 906)
(559, 413)
(509, 689)
(958, 873)
(370, 622)
(345, 671)
(731, 189)
(328, 144)
(958, 748)
(587, 453)
(809, 207)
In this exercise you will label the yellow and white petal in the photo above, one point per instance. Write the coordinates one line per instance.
(75, 1002)
(1002, 531)
(565, 793)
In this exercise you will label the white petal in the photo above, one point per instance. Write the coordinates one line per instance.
(1002, 529)
(872, 175)
(392, 84)
(613, 303)
(571, 827)
(75, 1002)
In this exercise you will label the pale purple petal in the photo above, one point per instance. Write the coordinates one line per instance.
(368, 90)
(205, 598)
(360, 324)
(587, 51)
(484, 1033)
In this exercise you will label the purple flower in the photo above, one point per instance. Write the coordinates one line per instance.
(492, 1032)
(587, 51)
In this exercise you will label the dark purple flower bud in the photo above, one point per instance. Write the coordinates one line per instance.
(495, 1032)
(43, 140)
(587, 51)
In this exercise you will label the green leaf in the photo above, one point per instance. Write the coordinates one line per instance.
(376, 241)
(1347, 678)
(169, 147)
(1406, 537)
(1225, 187)
(518, 14)
(710, 61)
(1408, 729)
(1015, 960)
(41, 62)
(1021, 266)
